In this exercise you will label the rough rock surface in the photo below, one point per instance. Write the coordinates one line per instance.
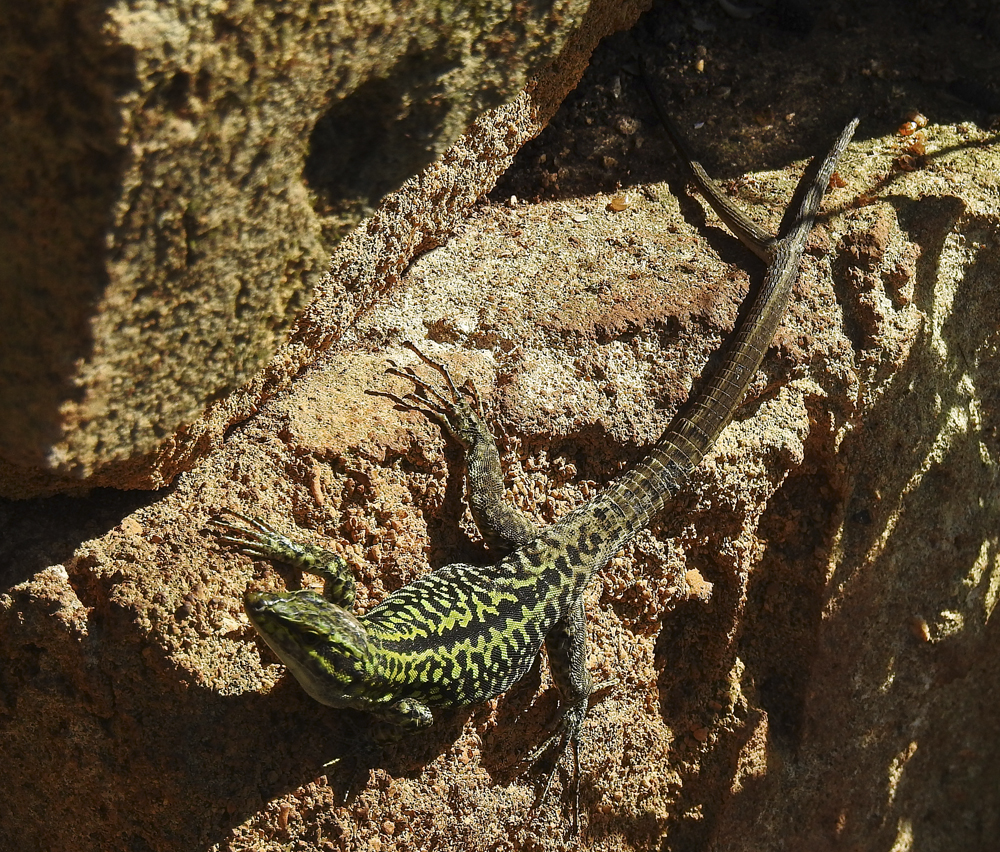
(805, 646)
(176, 176)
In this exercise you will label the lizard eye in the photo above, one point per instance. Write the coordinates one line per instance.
(311, 639)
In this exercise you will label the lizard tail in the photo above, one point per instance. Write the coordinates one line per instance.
(643, 492)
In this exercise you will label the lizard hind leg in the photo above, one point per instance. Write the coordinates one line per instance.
(567, 736)
(459, 410)
(566, 646)
(468, 386)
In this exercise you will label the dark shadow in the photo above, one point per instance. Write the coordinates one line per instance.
(61, 172)
(44, 531)
(368, 143)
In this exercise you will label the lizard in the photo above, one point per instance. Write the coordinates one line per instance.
(463, 634)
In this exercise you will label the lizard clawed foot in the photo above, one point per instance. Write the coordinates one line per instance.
(255, 539)
(567, 735)
(459, 410)
(252, 537)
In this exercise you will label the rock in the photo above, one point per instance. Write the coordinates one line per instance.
(176, 177)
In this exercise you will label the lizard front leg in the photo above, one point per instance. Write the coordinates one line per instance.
(325, 646)
(255, 539)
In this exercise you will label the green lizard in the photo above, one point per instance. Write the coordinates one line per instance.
(465, 633)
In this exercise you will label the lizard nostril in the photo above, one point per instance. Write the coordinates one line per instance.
(253, 601)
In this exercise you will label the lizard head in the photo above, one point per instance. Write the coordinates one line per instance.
(323, 645)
